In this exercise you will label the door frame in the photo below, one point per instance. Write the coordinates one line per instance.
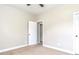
(28, 31)
(42, 30)
(39, 38)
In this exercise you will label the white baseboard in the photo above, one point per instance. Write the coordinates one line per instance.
(48, 46)
(12, 48)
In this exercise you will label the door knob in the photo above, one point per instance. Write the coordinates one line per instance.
(76, 35)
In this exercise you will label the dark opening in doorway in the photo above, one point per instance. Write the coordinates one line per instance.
(40, 33)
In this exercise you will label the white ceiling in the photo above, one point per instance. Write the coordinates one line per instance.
(34, 8)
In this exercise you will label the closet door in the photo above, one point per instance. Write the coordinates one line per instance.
(76, 32)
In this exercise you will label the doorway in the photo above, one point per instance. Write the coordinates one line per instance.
(35, 33)
(40, 33)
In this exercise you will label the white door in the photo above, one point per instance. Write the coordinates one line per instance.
(32, 33)
(76, 32)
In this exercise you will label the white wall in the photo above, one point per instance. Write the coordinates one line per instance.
(58, 27)
(13, 27)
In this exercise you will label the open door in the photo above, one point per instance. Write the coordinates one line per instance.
(32, 33)
(76, 32)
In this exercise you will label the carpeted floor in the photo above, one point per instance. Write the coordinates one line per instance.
(34, 50)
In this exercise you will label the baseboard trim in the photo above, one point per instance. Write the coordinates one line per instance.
(12, 48)
(48, 46)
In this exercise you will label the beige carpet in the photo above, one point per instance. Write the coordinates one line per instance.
(34, 50)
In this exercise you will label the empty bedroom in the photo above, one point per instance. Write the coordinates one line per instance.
(39, 29)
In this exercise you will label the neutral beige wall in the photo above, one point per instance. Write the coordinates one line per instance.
(13, 27)
(58, 26)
